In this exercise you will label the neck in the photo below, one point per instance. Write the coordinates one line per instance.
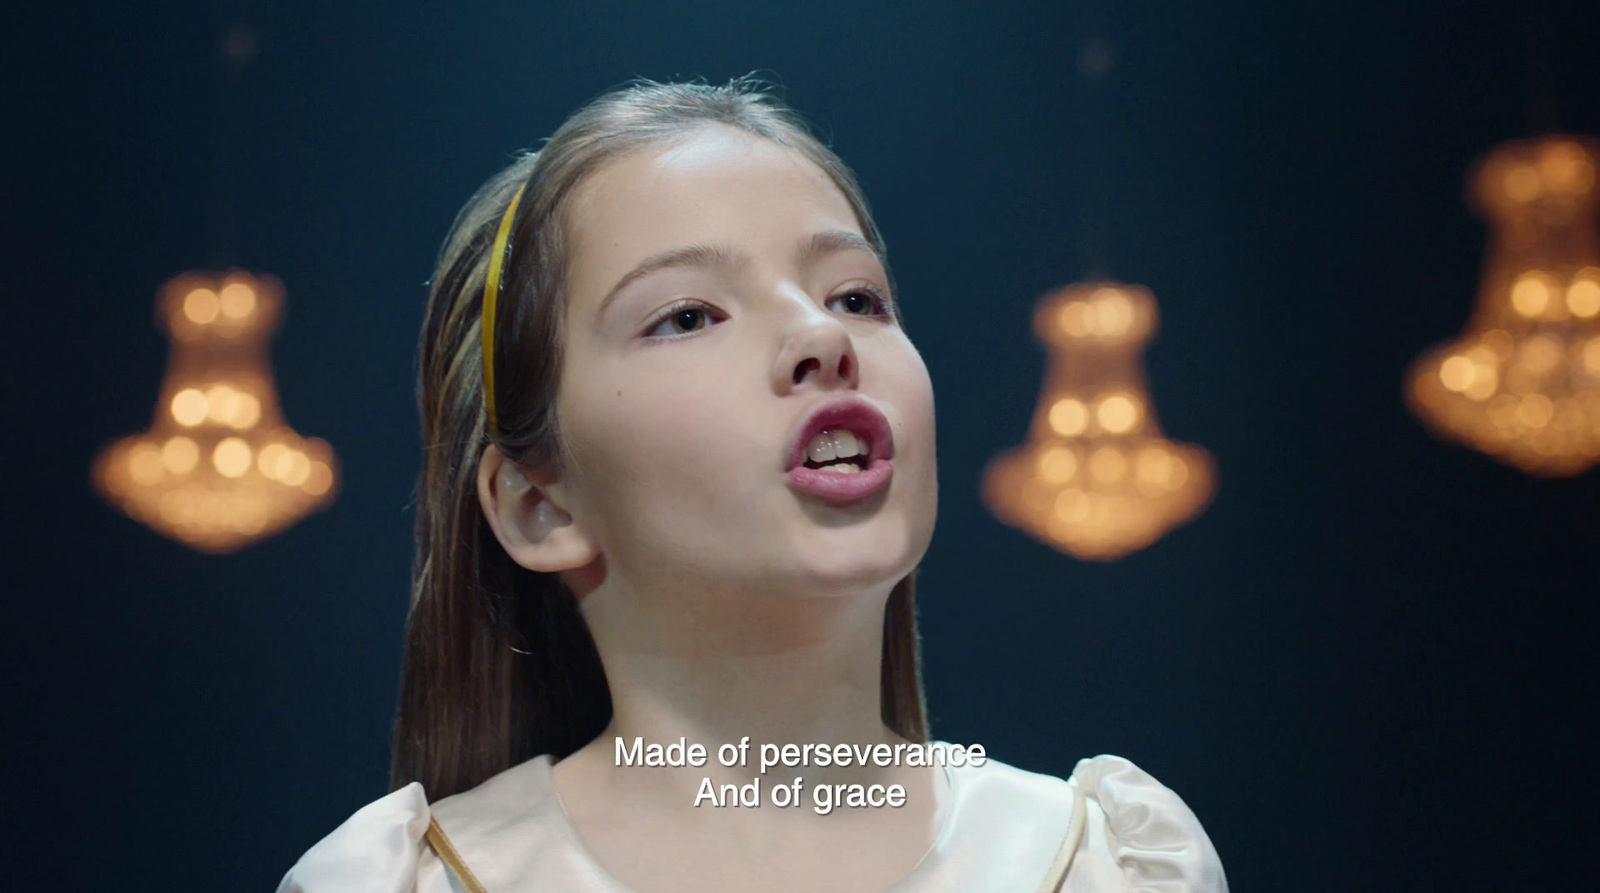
(775, 669)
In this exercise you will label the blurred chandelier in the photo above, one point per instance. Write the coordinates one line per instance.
(1097, 479)
(218, 468)
(1522, 383)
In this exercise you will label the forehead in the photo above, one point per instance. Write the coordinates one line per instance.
(718, 184)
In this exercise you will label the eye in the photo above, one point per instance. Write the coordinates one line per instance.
(685, 314)
(866, 300)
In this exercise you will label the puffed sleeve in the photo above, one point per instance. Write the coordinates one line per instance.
(1157, 841)
(374, 851)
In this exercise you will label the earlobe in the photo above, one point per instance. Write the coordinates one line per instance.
(531, 526)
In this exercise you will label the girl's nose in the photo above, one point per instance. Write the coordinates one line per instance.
(816, 352)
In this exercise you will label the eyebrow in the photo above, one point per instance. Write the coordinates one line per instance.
(727, 257)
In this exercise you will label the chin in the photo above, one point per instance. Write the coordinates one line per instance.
(853, 562)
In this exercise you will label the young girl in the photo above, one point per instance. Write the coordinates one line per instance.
(678, 474)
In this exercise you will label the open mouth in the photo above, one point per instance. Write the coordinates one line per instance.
(839, 450)
(845, 435)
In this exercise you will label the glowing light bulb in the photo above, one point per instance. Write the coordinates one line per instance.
(231, 457)
(1069, 417)
(1118, 413)
(201, 306)
(189, 407)
(237, 300)
(1531, 294)
(1583, 296)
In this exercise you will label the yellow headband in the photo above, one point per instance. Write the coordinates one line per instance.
(491, 294)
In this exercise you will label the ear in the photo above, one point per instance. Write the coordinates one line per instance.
(534, 528)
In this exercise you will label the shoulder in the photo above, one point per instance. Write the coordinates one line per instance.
(1156, 841)
(501, 827)
(511, 827)
(999, 812)
(1137, 835)
(376, 850)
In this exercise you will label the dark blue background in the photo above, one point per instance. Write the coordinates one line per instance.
(1368, 666)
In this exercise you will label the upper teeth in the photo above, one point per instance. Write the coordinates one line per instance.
(835, 443)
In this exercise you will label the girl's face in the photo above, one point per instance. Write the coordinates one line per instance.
(682, 389)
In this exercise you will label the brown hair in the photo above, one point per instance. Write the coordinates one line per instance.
(499, 665)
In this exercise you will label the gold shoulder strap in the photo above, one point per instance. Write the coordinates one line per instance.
(1069, 844)
(447, 852)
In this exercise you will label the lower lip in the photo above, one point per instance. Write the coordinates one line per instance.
(842, 487)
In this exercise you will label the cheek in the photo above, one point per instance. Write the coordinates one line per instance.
(913, 391)
(924, 389)
(915, 445)
(658, 453)
(670, 421)
(647, 430)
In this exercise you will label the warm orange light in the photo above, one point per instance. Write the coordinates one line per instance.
(1076, 319)
(189, 407)
(1057, 465)
(319, 479)
(1068, 417)
(231, 457)
(1522, 383)
(1097, 479)
(1107, 464)
(237, 300)
(201, 306)
(1583, 297)
(293, 468)
(1522, 183)
(1530, 294)
(1458, 373)
(1113, 312)
(179, 455)
(1118, 413)
(144, 464)
(218, 467)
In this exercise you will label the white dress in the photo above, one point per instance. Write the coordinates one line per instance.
(1003, 832)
